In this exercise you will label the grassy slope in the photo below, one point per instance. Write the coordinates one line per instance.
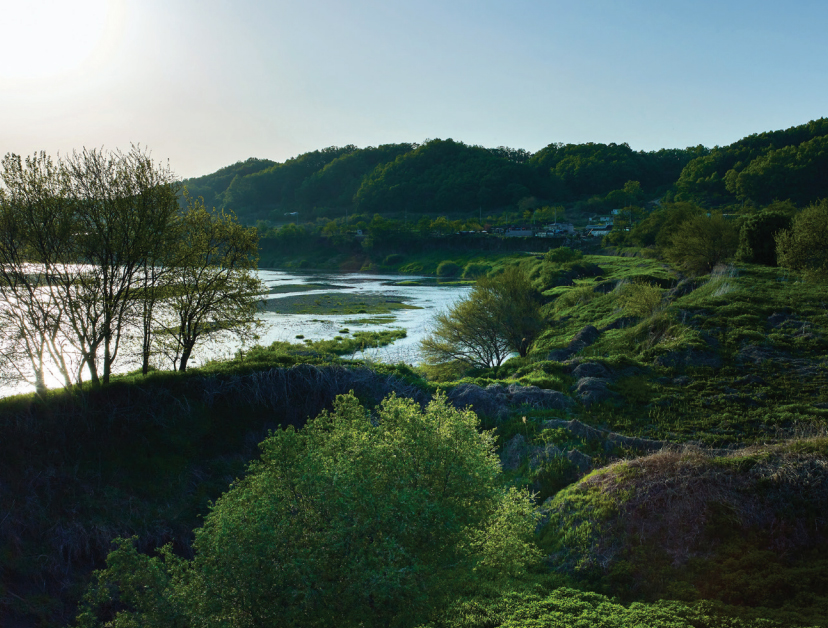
(736, 361)
(733, 360)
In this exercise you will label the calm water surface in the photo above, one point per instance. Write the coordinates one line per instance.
(430, 298)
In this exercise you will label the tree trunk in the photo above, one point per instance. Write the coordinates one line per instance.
(186, 352)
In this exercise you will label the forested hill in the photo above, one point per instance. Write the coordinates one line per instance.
(788, 164)
(439, 176)
(448, 177)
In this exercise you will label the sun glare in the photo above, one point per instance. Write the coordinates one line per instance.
(51, 38)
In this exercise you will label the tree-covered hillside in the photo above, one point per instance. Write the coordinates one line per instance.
(448, 177)
(786, 164)
(437, 177)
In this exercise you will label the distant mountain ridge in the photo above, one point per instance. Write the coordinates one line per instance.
(447, 176)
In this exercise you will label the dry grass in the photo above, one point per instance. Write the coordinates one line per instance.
(681, 501)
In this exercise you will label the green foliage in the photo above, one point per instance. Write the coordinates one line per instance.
(449, 269)
(794, 172)
(578, 170)
(501, 314)
(658, 228)
(473, 270)
(757, 238)
(640, 299)
(761, 167)
(805, 246)
(563, 255)
(579, 295)
(393, 260)
(443, 176)
(352, 521)
(565, 607)
(703, 242)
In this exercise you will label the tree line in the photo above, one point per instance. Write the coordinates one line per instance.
(99, 264)
(438, 176)
(450, 177)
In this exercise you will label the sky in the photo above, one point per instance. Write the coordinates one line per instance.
(206, 83)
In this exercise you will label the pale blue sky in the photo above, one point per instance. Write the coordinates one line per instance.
(207, 83)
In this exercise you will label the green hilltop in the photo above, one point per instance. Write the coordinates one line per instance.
(450, 177)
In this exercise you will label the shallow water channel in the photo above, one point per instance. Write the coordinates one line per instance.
(319, 306)
(426, 299)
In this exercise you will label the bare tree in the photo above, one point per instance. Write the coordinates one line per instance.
(76, 237)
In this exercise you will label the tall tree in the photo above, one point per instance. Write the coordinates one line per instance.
(123, 205)
(213, 284)
(36, 232)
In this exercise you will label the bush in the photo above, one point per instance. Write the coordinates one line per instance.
(757, 238)
(393, 260)
(562, 255)
(474, 270)
(701, 243)
(356, 520)
(805, 245)
(448, 269)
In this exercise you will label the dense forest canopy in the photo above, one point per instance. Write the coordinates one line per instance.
(448, 177)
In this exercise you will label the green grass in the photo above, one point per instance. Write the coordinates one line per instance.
(166, 462)
(302, 287)
(336, 303)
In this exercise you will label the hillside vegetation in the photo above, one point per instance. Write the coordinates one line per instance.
(447, 177)
(672, 430)
(627, 431)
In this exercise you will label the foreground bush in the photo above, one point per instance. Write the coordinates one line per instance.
(351, 521)
(804, 246)
(757, 238)
(569, 608)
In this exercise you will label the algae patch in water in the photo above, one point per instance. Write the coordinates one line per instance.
(336, 303)
(305, 287)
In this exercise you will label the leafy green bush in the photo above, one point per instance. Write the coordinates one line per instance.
(576, 296)
(805, 245)
(564, 607)
(356, 520)
(757, 238)
(562, 255)
(448, 269)
(393, 259)
(701, 243)
(476, 269)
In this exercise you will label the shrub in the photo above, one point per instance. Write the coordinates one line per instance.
(473, 270)
(640, 299)
(805, 245)
(701, 243)
(356, 520)
(562, 255)
(757, 238)
(448, 269)
(576, 296)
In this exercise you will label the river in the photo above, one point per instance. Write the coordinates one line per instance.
(427, 299)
